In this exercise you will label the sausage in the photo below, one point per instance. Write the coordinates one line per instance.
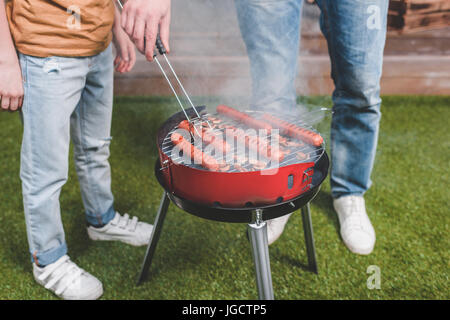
(262, 144)
(257, 144)
(207, 137)
(186, 125)
(294, 131)
(196, 154)
(243, 117)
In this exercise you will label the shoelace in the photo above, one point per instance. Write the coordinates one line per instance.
(63, 268)
(125, 222)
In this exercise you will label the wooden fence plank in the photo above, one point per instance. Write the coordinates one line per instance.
(230, 76)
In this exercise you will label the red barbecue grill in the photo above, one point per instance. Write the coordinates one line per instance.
(244, 182)
(244, 190)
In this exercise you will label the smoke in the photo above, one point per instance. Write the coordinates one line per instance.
(208, 49)
(209, 54)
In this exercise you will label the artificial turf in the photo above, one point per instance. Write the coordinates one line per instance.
(201, 259)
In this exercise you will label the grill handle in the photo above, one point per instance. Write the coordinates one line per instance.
(159, 45)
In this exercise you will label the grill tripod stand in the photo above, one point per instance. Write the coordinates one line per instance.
(257, 232)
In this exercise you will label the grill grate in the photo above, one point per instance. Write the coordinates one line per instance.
(291, 147)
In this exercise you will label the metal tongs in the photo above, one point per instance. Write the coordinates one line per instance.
(162, 51)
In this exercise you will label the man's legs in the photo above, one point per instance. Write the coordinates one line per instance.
(355, 32)
(271, 32)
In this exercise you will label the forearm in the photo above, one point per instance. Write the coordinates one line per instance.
(116, 14)
(118, 4)
(126, 56)
(117, 28)
(7, 50)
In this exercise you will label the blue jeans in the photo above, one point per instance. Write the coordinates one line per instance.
(355, 31)
(64, 98)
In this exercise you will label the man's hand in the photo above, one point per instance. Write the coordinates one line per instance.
(11, 86)
(126, 55)
(142, 19)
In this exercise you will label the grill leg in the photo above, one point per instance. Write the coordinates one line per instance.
(309, 238)
(260, 249)
(156, 232)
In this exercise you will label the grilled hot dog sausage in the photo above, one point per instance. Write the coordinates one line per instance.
(243, 117)
(294, 131)
(196, 154)
(207, 137)
(257, 143)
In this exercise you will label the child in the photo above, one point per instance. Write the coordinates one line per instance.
(62, 79)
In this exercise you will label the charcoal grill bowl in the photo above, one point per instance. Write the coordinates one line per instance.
(246, 214)
(195, 190)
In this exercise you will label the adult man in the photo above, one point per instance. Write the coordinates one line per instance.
(355, 31)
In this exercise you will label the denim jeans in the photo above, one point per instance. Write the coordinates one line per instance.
(355, 31)
(64, 98)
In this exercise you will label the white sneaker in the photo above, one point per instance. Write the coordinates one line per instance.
(275, 228)
(124, 229)
(67, 280)
(356, 230)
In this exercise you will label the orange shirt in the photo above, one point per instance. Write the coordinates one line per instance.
(71, 28)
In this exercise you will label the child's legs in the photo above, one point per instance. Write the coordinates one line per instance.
(53, 88)
(90, 131)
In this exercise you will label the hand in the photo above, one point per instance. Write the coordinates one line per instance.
(142, 19)
(126, 55)
(11, 86)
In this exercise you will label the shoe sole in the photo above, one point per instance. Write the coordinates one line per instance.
(359, 251)
(93, 295)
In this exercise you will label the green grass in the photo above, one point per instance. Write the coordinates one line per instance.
(200, 259)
